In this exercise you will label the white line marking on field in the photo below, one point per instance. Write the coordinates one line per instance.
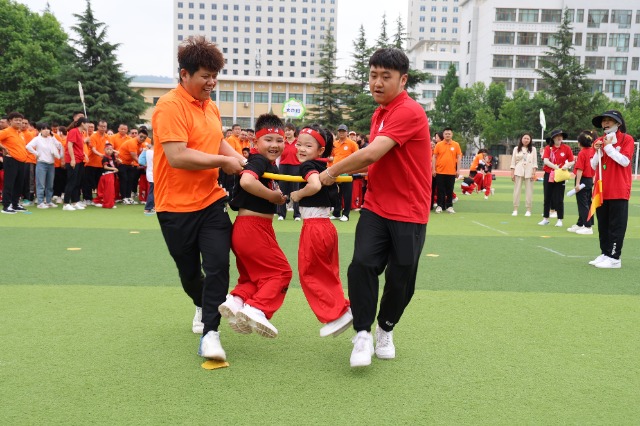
(562, 254)
(488, 227)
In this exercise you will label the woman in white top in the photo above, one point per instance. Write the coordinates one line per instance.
(46, 149)
(524, 164)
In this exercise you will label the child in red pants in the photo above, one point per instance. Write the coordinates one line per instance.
(318, 260)
(264, 270)
(484, 177)
(106, 189)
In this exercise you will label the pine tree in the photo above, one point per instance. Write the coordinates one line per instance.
(400, 36)
(359, 71)
(93, 62)
(383, 38)
(328, 93)
(442, 111)
(565, 80)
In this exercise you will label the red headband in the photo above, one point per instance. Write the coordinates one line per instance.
(260, 133)
(317, 136)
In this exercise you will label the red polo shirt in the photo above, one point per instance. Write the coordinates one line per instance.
(289, 152)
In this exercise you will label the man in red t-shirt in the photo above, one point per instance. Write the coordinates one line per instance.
(393, 223)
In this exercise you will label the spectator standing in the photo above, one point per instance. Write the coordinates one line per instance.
(446, 166)
(46, 149)
(343, 148)
(524, 165)
(289, 165)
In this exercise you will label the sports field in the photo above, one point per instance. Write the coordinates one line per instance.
(509, 325)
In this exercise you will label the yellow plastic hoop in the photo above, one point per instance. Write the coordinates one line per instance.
(289, 178)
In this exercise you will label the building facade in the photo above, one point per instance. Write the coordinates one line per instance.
(433, 20)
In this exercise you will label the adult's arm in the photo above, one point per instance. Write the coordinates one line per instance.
(181, 157)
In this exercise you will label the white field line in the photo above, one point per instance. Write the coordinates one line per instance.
(488, 227)
(561, 254)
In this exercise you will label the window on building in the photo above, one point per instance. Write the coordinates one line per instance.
(577, 39)
(180, 6)
(505, 15)
(278, 98)
(615, 87)
(524, 83)
(429, 94)
(504, 37)
(528, 15)
(548, 39)
(244, 96)
(594, 62)
(635, 62)
(525, 61)
(311, 99)
(503, 80)
(618, 65)
(180, 37)
(503, 61)
(620, 42)
(594, 41)
(636, 40)
(226, 96)
(580, 15)
(527, 39)
(551, 15)
(429, 65)
(180, 27)
(597, 17)
(261, 98)
(622, 18)
(633, 85)
(180, 15)
(444, 65)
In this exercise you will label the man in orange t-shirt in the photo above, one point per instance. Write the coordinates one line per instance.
(120, 137)
(129, 172)
(189, 149)
(93, 168)
(14, 162)
(342, 148)
(446, 166)
(226, 181)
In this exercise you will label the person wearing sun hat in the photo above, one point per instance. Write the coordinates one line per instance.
(556, 156)
(614, 151)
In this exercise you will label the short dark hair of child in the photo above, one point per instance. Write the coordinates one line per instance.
(42, 126)
(390, 58)
(327, 136)
(269, 121)
(197, 52)
(143, 131)
(246, 150)
(482, 151)
(586, 138)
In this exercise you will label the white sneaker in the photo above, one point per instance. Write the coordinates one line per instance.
(559, 223)
(211, 348)
(493, 191)
(332, 217)
(384, 344)
(280, 218)
(527, 214)
(543, 222)
(435, 205)
(229, 309)
(585, 231)
(297, 219)
(362, 349)
(337, 326)
(52, 205)
(451, 210)
(574, 228)
(609, 263)
(43, 206)
(597, 259)
(344, 219)
(196, 325)
(486, 197)
(68, 207)
(455, 200)
(515, 213)
(438, 209)
(98, 205)
(257, 321)
(79, 206)
(553, 214)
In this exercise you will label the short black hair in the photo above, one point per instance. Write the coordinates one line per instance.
(269, 121)
(246, 149)
(390, 58)
(440, 135)
(143, 131)
(42, 126)
(447, 128)
(236, 125)
(13, 115)
(586, 138)
(197, 52)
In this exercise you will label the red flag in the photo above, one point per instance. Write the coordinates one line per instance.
(597, 198)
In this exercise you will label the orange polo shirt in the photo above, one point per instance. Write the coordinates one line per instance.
(475, 162)
(235, 143)
(98, 142)
(117, 140)
(10, 138)
(26, 135)
(178, 117)
(127, 148)
(447, 157)
(342, 150)
(56, 161)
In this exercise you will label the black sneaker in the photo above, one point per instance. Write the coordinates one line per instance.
(19, 209)
(8, 210)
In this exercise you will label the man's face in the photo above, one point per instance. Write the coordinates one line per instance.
(385, 84)
(141, 138)
(133, 133)
(4, 123)
(123, 129)
(236, 131)
(200, 84)
(352, 136)
(91, 128)
(102, 127)
(448, 134)
(24, 124)
(342, 134)
(16, 123)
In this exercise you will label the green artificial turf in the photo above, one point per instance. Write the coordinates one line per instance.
(509, 325)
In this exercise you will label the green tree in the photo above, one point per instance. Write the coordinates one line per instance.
(631, 114)
(440, 114)
(565, 80)
(383, 38)
(329, 94)
(400, 36)
(93, 62)
(30, 58)
(359, 71)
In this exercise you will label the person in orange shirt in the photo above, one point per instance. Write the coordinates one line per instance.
(120, 137)
(189, 149)
(93, 168)
(27, 133)
(128, 169)
(14, 163)
(226, 181)
(473, 169)
(342, 148)
(446, 166)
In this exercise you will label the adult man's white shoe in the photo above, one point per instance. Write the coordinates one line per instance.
(609, 263)
(543, 222)
(384, 344)
(597, 259)
(79, 206)
(559, 223)
(257, 321)
(344, 219)
(335, 327)
(211, 348)
(197, 326)
(451, 210)
(573, 228)
(229, 309)
(438, 209)
(584, 231)
(362, 349)
(68, 207)
(43, 206)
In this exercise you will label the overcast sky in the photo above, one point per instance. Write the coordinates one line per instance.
(144, 28)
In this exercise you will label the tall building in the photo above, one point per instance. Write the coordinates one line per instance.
(279, 39)
(503, 41)
(433, 20)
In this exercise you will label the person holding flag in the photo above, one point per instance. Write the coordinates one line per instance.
(612, 187)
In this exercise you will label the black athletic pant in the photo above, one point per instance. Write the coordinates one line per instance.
(383, 245)
(287, 188)
(200, 242)
(28, 182)
(74, 181)
(345, 192)
(553, 197)
(612, 226)
(445, 183)
(90, 181)
(583, 198)
(13, 180)
(59, 181)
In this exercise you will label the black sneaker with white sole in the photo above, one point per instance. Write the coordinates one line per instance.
(8, 210)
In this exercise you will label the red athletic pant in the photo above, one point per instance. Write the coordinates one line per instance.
(143, 185)
(319, 269)
(468, 189)
(479, 181)
(107, 191)
(486, 183)
(264, 270)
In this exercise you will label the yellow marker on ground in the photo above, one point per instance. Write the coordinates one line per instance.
(74, 249)
(212, 364)
(134, 232)
(433, 255)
